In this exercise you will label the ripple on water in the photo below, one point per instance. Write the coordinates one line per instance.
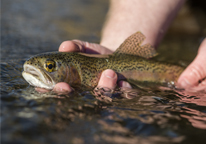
(103, 114)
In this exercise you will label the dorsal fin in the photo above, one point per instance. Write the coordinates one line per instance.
(132, 46)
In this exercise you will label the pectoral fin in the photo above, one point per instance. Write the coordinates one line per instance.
(132, 46)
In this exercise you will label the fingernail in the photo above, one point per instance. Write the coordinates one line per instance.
(126, 84)
(62, 91)
(109, 74)
(58, 89)
(185, 83)
(62, 47)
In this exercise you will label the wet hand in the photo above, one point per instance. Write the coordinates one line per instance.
(108, 78)
(193, 78)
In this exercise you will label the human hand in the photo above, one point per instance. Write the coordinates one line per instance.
(108, 78)
(193, 78)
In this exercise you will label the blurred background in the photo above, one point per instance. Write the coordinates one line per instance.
(31, 27)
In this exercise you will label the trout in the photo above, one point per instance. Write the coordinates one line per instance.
(131, 61)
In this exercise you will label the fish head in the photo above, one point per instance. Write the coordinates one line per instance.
(45, 70)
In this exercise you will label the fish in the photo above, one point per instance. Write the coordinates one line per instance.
(131, 61)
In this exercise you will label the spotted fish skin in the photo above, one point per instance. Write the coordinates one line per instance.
(127, 67)
(85, 69)
(76, 68)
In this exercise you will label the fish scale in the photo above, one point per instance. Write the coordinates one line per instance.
(84, 69)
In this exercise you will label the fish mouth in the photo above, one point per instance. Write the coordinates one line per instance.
(37, 77)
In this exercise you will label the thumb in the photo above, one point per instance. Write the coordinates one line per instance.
(108, 79)
(196, 71)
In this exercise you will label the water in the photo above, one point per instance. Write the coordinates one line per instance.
(151, 116)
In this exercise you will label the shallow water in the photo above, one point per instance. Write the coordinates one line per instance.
(151, 116)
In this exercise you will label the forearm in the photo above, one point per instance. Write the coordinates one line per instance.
(151, 17)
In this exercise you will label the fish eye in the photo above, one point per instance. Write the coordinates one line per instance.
(49, 65)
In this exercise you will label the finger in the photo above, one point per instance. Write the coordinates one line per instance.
(108, 79)
(41, 90)
(196, 70)
(92, 48)
(69, 46)
(200, 87)
(82, 46)
(62, 87)
(124, 84)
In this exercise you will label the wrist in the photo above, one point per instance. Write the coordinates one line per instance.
(124, 18)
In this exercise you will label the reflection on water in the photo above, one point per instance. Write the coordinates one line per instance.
(120, 116)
